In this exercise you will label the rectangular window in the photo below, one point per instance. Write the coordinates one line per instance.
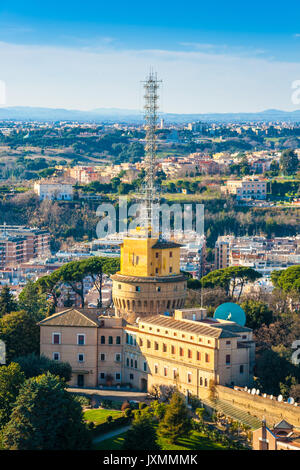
(102, 357)
(165, 371)
(198, 356)
(155, 368)
(189, 377)
(56, 338)
(102, 375)
(241, 369)
(118, 376)
(131, 376)
(118, 357)
(145, 366)
(80, 340)
(207, 358)
(137, 288)
(174, 373)
(180, 352)
(156, 346)
(110, 340)
(189, 354)
(80, 357)
(172, 349)
(164, 348)
(227, 358)
(118, 340)
(171, 254)
(56, 356)
(102, 339)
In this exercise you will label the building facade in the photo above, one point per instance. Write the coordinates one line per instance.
(53, 190)
(248, 188)
(188, 350)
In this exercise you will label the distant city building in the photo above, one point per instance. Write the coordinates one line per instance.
(53, 190)
(260, 253)
(247, 188)
(19, 244)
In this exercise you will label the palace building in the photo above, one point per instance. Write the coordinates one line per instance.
(188, 350)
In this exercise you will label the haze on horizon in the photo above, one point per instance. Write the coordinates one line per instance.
(212, 58)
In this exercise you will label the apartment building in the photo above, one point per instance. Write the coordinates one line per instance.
(257, 252)
(248, 188)
(20, 244)
(188, 350)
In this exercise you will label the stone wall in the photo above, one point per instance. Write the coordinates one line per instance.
(272, 410)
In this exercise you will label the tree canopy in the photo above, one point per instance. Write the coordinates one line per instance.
(45, 417)
(231, 279)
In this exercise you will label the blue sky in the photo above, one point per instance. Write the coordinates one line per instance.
(221, 56)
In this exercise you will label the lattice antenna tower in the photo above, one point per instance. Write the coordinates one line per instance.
(151, 193)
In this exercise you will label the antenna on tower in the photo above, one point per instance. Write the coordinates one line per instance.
(150, 191)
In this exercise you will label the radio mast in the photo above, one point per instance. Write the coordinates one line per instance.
(151, 194)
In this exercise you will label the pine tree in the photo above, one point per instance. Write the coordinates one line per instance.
(142, 434)
(176, 422)
(46, 417)
(7, 302)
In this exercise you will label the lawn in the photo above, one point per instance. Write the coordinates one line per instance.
(196, 441)
(99, 416)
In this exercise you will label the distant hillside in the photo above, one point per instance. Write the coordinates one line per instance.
(24, 113)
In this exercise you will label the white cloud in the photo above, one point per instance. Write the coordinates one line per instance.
(193, 80)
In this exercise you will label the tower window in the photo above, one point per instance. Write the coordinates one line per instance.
(171, 254)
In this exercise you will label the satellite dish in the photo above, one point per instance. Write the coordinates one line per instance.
(231, 312)
(257, 392)
(279, 398)
(291, 401)
(253, 391)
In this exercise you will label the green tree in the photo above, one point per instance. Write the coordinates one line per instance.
(142, 434)
(33, 301)
(257, 313)
(288, 280)
(11, 379)
(46, 417)
(21, 334)
(7, 302)
(176, 423)
(73, 275)
(96, 267)
(231, 279)
(33, 365)
(289, 162)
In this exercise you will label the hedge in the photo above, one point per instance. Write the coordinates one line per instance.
(109, 426)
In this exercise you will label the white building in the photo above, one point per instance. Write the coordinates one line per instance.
(53, 190)
(247, 188)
